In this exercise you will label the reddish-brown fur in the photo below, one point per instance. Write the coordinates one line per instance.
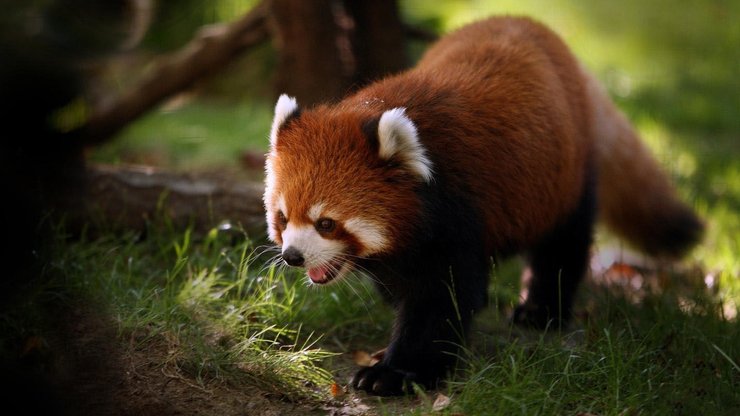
(341, 176)
(530, 108)
(518, 124)
(516, 132)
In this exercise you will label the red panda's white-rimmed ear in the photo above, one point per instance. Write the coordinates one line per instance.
(285, 108)
(398, 139)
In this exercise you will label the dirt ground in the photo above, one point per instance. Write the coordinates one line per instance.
(80, 366)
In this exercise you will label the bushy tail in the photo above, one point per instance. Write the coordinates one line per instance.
(636, 198)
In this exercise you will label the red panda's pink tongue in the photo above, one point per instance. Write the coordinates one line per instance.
(318, 274)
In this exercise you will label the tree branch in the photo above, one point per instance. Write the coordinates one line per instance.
(212, 48)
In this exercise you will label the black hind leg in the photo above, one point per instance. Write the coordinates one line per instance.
(558, 263)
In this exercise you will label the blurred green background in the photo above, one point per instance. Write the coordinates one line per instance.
(672, 65)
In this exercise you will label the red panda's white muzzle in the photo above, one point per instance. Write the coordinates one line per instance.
(323, 273)
(323, 259)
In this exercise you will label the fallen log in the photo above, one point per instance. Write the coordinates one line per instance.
(133, 196)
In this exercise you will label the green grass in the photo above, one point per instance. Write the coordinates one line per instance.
(216, 303)
(671, 66)
(225, 314)
(222, 314)
(627, 359)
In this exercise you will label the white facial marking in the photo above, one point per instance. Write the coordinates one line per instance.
(316, 250)
(285, 107)
(269, 180)
(267, 198)
(282, 205)
(272, 232)
(314, 213)
(370, 235)
(398, 137)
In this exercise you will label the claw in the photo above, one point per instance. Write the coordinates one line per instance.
(382, 379)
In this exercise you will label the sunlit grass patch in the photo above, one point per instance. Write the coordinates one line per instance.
(220, 312)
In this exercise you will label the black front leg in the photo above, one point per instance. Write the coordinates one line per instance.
(432, 321)
(425, 342)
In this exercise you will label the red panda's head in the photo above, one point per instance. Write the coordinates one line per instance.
(340, 185)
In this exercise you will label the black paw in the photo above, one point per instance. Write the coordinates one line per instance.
(383, 380)
(537, 317)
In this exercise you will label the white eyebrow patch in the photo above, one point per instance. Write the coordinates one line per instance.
(314, 213)
(369, 234)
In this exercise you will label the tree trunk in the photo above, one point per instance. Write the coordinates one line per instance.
(315, 60)
(328, 48)
(378, 41)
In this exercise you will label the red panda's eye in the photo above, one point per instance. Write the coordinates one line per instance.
(281, 219)
(325, 225)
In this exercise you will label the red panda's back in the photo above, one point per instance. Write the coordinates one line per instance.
(501, 109)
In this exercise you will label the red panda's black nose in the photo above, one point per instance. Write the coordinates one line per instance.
(293, 257)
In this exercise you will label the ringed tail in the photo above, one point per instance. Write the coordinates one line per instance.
(636, 198)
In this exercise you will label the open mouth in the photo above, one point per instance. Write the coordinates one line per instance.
(325, 273)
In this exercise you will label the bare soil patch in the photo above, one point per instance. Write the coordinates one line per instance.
(80, 366)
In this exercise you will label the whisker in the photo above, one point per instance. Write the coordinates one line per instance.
(272, 261)
(260, 250)
(361, 269)
(358, 272)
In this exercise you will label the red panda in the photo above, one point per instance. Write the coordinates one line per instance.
(498, 142)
